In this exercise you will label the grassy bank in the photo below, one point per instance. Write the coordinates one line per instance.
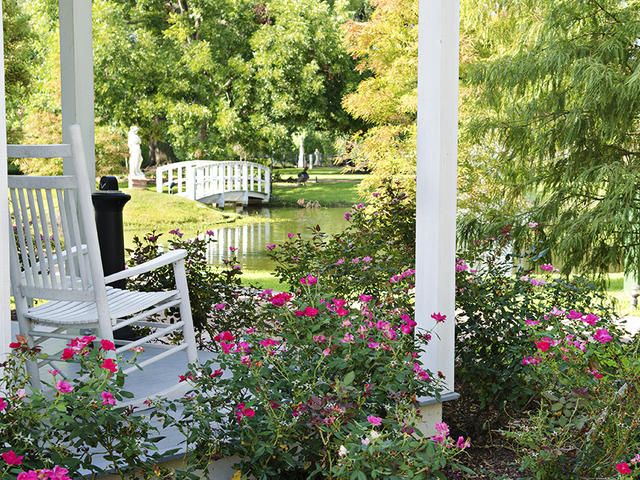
(333, 194)
(262, 279)
(327, 186)
(320, 173)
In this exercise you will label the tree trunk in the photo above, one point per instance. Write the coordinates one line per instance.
(153, 148)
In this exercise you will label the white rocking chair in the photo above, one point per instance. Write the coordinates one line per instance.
(55, 257)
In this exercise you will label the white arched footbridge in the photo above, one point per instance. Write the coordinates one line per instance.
(216, 182)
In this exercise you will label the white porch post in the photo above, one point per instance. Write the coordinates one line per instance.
(5, 315)
(436, 182)
(76, 66)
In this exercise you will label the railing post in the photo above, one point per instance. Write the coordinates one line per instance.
(190, 187)
(252, 176)
(159, 175)
(245, 175)
(267, 182)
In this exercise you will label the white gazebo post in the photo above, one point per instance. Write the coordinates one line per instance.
(5, 312)
(76, 68)
(438, 48)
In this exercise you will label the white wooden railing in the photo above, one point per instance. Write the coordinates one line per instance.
(200, 179)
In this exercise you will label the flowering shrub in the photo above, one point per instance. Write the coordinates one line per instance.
(497, 306)
(374, 255)
(388, 455)
(297, 403)
(57, 433)
(587, 424)
(217, 297)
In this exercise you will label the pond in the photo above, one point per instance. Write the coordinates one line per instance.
(251, 238)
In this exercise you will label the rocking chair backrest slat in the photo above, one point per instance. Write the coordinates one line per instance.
(49, 246)
(55, 235)
(38, 237)
(53, 280)
(49, 239)
(26, 229)
(71, 270)
(85, 274)
(19, 237)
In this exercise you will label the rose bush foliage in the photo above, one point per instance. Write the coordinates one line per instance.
(218, 299)
(586, 424)
(71, 421)
(326, 397)
(377, 246)
(494, 304)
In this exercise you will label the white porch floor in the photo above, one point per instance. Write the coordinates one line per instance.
(152, 380)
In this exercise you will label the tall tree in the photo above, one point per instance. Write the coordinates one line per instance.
(18, 57)
(302, 69)
(216, 77)
(556, 114)
(387, 49)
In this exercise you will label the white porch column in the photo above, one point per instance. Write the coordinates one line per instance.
(76, 67)
(5, 316)
(436, 179)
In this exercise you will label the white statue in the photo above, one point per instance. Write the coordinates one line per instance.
(135, 154)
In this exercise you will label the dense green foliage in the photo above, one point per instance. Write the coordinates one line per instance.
(586, 425)
(387, 49)
(554, 129)
(326, 398)
(202, 79)
(494, 303)
(215, 78)
(18, 52)
(63, 423)
(378, 245)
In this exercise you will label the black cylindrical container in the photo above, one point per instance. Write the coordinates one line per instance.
(108, 203)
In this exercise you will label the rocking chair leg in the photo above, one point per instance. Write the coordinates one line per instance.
(25, 327)
(34, 375)
(185, 310)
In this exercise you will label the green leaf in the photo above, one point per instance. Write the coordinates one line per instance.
(349, 377)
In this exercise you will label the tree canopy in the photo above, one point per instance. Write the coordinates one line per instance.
(554, 123)
(387, 49)
(216, 77)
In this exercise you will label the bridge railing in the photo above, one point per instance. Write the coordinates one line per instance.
(202, 178)
(175, 176)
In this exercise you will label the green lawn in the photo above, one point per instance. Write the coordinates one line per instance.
(262, 279)
(332, 194)
(321, 173)
(615, 290)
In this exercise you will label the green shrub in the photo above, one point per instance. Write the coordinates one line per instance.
(494, 304)
(587, 422)
(71, 420)
(377, 246)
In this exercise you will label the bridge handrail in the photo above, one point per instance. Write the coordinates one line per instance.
(201, 178)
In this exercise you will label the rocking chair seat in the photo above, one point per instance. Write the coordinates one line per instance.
(122, 303)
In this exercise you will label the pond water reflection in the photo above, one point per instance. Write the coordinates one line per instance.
(250, 239)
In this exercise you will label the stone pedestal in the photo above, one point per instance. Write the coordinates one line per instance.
(140, 183)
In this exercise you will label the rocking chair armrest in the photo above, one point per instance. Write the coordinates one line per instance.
(164, 259)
